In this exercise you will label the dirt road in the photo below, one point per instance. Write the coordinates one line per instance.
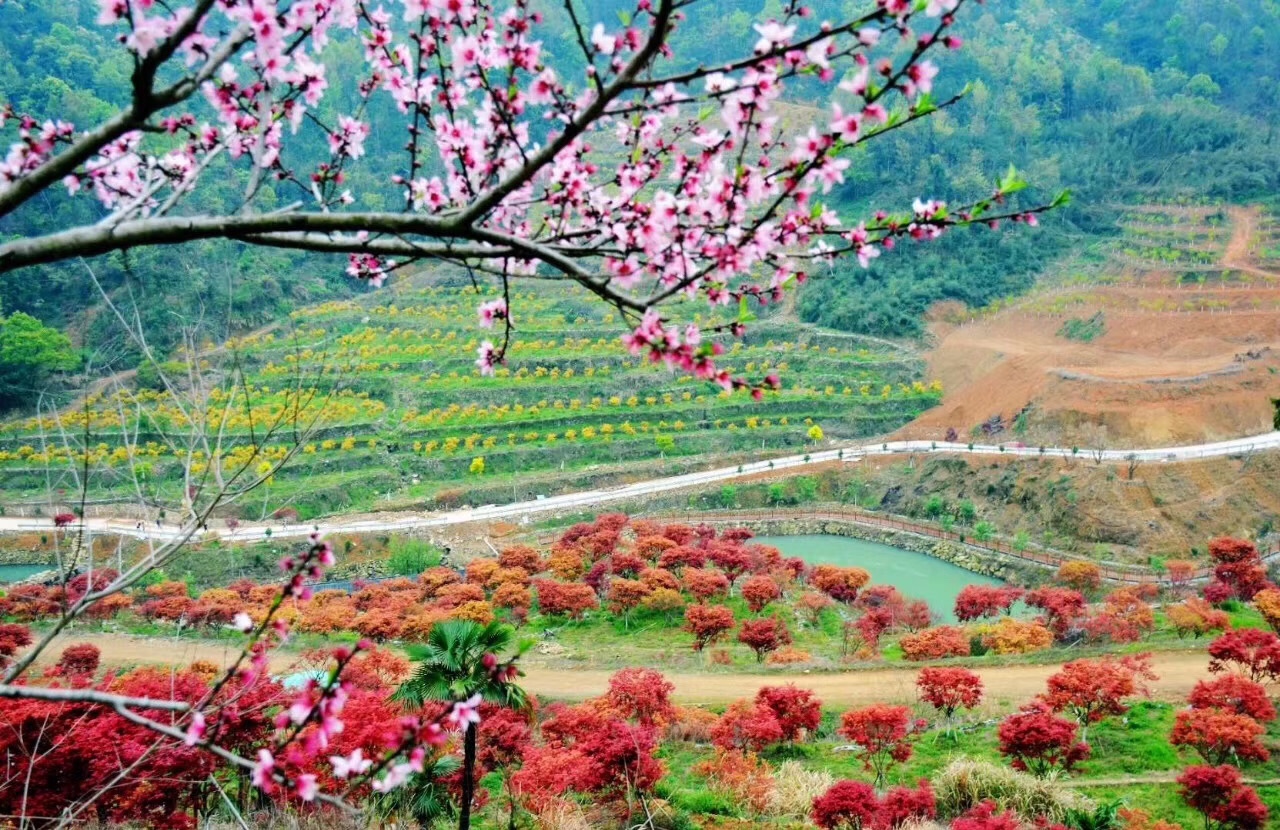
(1009, 685)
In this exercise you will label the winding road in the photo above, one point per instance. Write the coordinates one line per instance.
(595, 499)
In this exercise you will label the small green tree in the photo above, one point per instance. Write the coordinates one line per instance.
(815, 433)
(30, 352)
(477, 466)
(451, 667)
(728, 496)
(983, 531)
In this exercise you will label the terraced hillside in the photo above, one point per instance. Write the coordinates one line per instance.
(401, 417)
(1168, 333)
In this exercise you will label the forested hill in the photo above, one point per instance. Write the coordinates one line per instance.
(1119, 100)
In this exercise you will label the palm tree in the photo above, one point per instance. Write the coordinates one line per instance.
(451, 667)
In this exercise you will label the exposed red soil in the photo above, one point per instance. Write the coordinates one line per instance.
(1153, 378)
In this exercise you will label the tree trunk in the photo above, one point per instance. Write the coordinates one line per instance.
(468, 777)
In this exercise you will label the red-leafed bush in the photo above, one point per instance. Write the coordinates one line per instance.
(812, 604)
(1196, 617)
(764, 635)
(1090, 690)
(521, 556)
(881, 735)
(977, 601)
(1219, 794)
(1238, 572)
(848, 805)
(949, 689)
(660, 578)
(1124, 618)
(705, 583)
(935, 643)
(1219, 736)
(1084, 577)
(988, 816)
(746, 726)
(730, 558)
(841, 584)
(707, 623)
(759, 591)
(1233, 693)
(682, 556)
(570, 599)
(1039, 742)
(642, 695)
(433, 579)
(64, 519)
(625, 595)
(798, 711)
(79, 660)
(1063, 608)
(12, 638)
(1253, 652)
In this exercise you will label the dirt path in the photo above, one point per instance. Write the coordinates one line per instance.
(1010, 685)
(1244, 223)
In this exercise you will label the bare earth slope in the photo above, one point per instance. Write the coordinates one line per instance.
(1189, 353)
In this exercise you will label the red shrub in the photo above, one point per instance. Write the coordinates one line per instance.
(79, 660)
(1233, 693)
(1090, 690)
(1196, 617)
(12, 638)
(571, 599)
(643, 695)
(746, 726)
(705, 583)
(1252, 651)
(1063, 608)
(707, 623)
(1084, 577)
(759, 591)
(1219, 794)
(880, 733)
(764, 635)
(682, 556)
(949, 689)
(798, 711)
(1219, 736)
(1039, 742)
(521, 556)
(935, 643)
(987, 816)
(841, 584)
(978, 601)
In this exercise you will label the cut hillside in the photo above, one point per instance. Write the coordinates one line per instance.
(1168, 335)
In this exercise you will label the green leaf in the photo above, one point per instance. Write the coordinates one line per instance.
(745, 314)
(1011, 181)
(624, 17)
(1062, 199)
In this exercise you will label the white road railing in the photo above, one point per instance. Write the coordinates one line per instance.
(597, 499)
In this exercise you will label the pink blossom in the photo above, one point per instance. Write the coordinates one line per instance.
(772, 34)
(488, 358)
(353, 764)
(604, 44)
(491, 311)
(262, 775)
(306, 787)
(242, 622)
(196, 730)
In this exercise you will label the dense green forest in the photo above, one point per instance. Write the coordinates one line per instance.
(1118, 101)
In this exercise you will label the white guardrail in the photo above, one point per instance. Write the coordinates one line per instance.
(598, 498)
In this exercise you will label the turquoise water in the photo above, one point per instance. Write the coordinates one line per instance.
(914, 574)
(13, 573)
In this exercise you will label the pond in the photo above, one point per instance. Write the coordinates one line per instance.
(14, 573)
(916, 575)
